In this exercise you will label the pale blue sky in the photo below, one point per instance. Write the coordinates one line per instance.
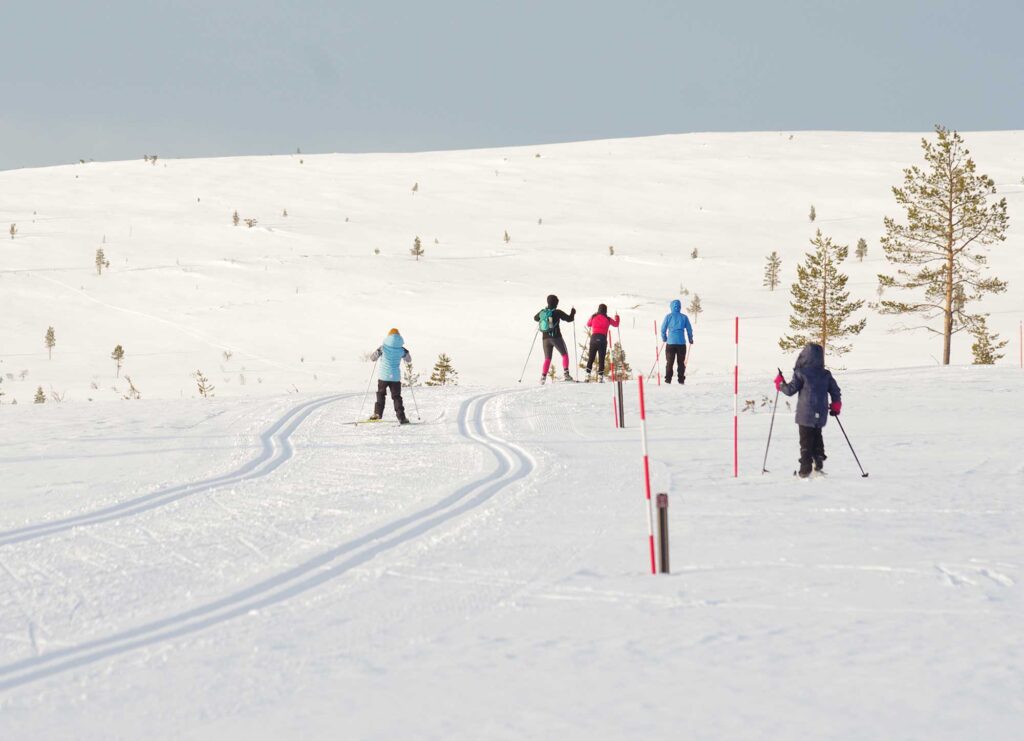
(116, 80)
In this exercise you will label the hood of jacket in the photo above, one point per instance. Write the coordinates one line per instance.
(812, 356)
(394, 340)
(676, 306)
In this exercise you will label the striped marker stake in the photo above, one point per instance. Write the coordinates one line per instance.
(657, 351)
(647, 477)
(736, 407)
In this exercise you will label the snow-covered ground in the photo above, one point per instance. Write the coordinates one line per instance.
(254, 566)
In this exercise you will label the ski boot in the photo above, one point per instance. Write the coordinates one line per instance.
(600, 377)
(543, 379)
(403, 421)
(566, 376)
(374, 417)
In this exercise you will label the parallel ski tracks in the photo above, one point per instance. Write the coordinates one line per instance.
(275, 449)
(512, 465)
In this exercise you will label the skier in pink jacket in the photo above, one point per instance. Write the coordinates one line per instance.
(599, 324)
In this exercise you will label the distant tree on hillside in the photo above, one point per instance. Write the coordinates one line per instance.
(444, 373)
(250, 222)
(13, 230)
(50, 340)
(507, 237)
(822, 308)
(235, 218)
(813, 214)
(987, 344)
(611, 250)
(101, 261)
(40, 397)
(949, 222)
(132, 392)
(862, 249)
(117, 356)
(695, 308)
(771, 271)
(415, 187)
(417, 249)
(694, 255)
(284, 213)
(203, 384)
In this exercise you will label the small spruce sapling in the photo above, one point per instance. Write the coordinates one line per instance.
(101, 261)
(40, 396)
(987, 344)
(409, 375)
(417, 249)
(444, 374)
(813, 214)
(611, 250)
(862, 249)
(771, 271)
(507, 238)
(695, 308)
(203, 384)
(51, 341)
(694, 255)
(13, 230)
(117, 356)
(235, 218)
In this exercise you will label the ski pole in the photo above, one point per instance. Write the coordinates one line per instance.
(532, 344)
(657, 360)
(576, 351)
(764, 466)
(367, 392)
(863, 474)
(417, 406)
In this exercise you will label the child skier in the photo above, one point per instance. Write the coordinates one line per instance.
(815, 386)
(674, 330)
(599, 324)
(548, 323)
(392, 353)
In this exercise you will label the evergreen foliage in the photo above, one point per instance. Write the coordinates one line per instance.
(101, 261)
(623, 370)
(40, 397)
(813, 214)
(694, 255)
(987, 344)
(695, 309)
(409, 376)
(822, 308)
(117, 356)
(939, 248)
(507, 238)
(51, 341)
(772, 270)
(444, 374)
(235, 218)
(862, 249)
(203, 384)
(13, 230)
(417, 249)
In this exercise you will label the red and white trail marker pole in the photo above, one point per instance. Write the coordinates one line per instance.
(1022, 344)
(647, 476)
(736, 407)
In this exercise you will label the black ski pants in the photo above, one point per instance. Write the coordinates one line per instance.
(554, 343)
(812, 448)
(598, 348)
(675, 354)
(396, 396)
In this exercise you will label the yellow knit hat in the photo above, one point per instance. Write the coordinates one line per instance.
(393, 331)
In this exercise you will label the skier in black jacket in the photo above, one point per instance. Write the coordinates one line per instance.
(817, 388)
(549, 320)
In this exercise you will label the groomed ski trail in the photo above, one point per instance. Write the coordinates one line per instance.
(513, 465)
(275, 450)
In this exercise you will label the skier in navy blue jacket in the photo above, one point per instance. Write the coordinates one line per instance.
(392, 352)
(816, 387)
(674, 331)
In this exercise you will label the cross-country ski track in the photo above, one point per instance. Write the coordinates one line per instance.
(512, 464)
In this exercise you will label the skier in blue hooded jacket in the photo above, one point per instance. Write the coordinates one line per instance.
(675, 329)
(817, 388)
(391, 355)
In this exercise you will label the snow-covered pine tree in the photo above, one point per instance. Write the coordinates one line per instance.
(117, 356)
(949, 221)
(409, 376)
(695, 309)
(444, 374)
(772, 270)
(40, 397)
(862, 249)
(50, 340)
(987, 344)
(417, 249)
(822, 308)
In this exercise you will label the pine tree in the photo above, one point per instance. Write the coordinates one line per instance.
(51, 341)
(694, 255)
(695, 308)
(40, 396)
(14, 230)
(862, 249)
(117, 356)
(987, 344)
(611, 250)
(417, 249)
(203, 384)
(821, 304)
(409, 376)
(507, 238)
(949, 221)
(444, 374)
(415, 187)
(771, 271)
(101, 261)
(235, 218)
(623, 371)
(813, 214)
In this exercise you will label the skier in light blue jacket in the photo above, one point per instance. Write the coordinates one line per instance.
(675, 329)
(391, 355)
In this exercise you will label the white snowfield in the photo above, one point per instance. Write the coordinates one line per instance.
(255, 566)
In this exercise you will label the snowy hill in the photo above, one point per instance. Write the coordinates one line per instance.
(254, 566)
(297, 301)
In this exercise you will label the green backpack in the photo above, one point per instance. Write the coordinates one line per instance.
(547, 320)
